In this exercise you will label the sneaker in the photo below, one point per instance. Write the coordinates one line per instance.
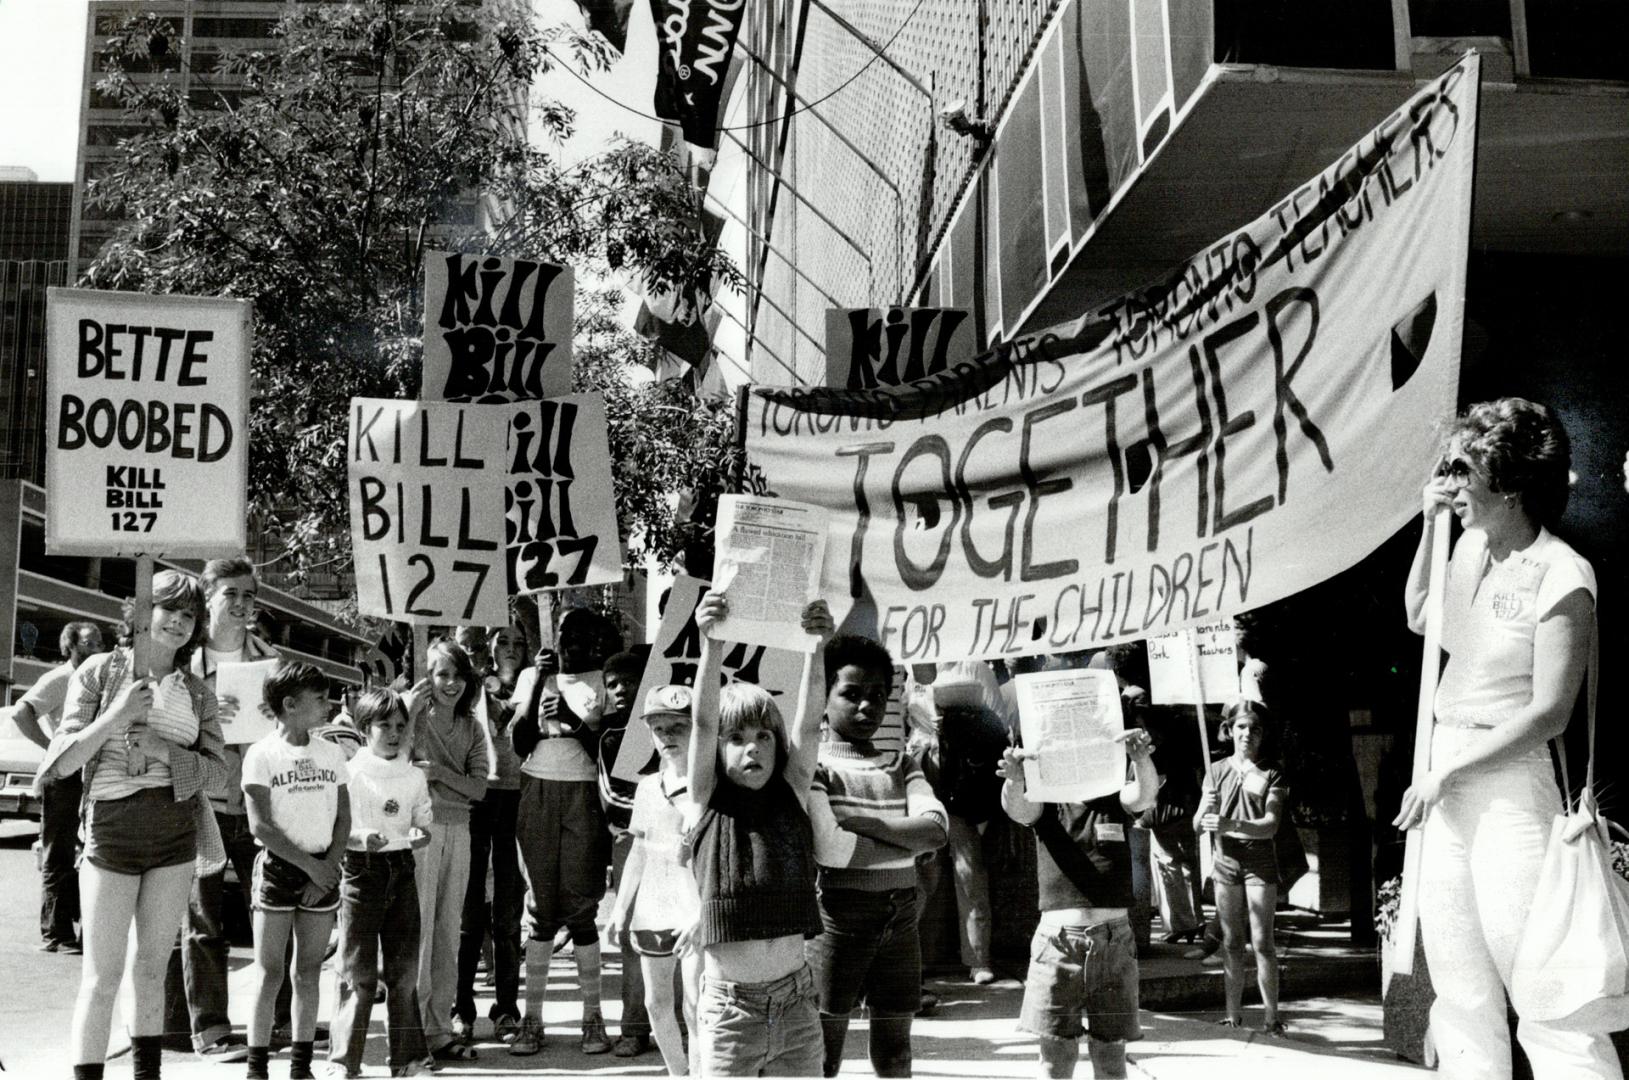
(228, 1049)
(929, 1004)
(595, 1040)
(505, 1028)
(462, 1029)
(334, 1070)
(631, 1046)
(1212, 959)
(71, 948)
(983, 976)
(528, 1040)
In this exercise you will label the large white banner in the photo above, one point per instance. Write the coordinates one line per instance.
(147, 440)
(868, 347)
(1254, 424)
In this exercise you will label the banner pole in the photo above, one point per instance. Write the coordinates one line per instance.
(1207, 854)
(141, 630)
(421, 645)
(1408, 903)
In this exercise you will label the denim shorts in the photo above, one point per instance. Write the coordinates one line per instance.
(868, 950)
(653, 942)
(1252, 864)
(147, 830)
(760, 1029)
(280, 886)
(1077, 971)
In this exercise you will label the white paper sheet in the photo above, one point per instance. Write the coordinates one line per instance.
(1071, 719)
(768, 561)
(247, 683)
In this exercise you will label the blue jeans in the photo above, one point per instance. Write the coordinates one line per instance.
(760, 1029)
(492, 839)
(378, 921)
(59, 850)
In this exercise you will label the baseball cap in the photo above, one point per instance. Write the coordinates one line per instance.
(668, 699)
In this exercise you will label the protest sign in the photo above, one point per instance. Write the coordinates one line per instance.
(1170, 674)
(767, 561)
(559, 510)
(496, 329)
(867, 347)
(1071, 720)
(246, 682)
(427, 526)
(147, 443)
(1196, 449)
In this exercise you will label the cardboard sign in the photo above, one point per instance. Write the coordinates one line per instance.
(1254, 423)
(675, 657)
(496, 329)
(147, 441)
(427, 527)
(1170, 673)
(869, 347)
(559, 509)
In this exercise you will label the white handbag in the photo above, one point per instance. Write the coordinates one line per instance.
(1572, 964)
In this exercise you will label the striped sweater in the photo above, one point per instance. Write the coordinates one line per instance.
(857, 779)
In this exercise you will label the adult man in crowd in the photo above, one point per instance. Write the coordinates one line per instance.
(36, 716)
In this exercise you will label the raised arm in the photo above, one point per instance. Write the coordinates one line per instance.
(1438, 497)
(804, 735)
(1015, 798)
(703, 771)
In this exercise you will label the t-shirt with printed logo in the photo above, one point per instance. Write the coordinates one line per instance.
(304, 783)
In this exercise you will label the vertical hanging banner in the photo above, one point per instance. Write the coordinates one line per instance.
(869, 347)
(147, 442)
(694, 39)
(496, 329)
(426, 494)
(559, 510)
(1257, 422)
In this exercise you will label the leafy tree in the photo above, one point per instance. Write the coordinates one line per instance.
(312, 177)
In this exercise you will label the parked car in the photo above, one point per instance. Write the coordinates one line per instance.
(19, 761)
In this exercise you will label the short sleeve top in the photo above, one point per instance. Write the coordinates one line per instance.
(1491, 612)
(304, 784)
(1084, 854)
(667, 898)
(1245, 795)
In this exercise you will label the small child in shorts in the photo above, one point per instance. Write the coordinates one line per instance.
(657, 896)
(299, 810)
(1083, 959)
(379, 898)
(751, 849)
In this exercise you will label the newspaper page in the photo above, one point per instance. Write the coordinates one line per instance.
(247, 683)
(1071, 719)
(767, 561)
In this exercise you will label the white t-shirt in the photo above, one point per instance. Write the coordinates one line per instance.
(304, 782)
(1490, 612)
(388, 796)
(556, 756)
(667, 897)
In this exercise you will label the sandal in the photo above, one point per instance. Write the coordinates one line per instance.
(454, 1051)
(1229, 1022)
(1275, 1029)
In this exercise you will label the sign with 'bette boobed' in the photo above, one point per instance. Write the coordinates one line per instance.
(147, 446)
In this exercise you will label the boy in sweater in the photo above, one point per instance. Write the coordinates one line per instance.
(379, 898)
(873, 813)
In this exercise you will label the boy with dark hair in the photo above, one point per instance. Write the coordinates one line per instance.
(873, 813)
(299, 810)
(622, 673)
(1083, 960)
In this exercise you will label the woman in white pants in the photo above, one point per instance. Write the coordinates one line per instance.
(1518, 614)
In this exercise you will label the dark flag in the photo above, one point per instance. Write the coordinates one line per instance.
(610, 18)
(694, 40)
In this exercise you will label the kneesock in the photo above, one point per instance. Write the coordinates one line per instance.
(89, 1072)
(299, 1061)
(146, 1056)
(259, 1063)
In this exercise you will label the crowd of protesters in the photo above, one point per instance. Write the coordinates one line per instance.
(770, 869)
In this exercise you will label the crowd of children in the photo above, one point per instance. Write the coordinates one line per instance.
(769, 872)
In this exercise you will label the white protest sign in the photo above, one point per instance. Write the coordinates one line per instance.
(559, 509)
(247, 683)
(1187, 452)
(426, 496)
(867, 347)
(496, 329)
(147, 441)
(675, 657)
(767, 559)
(1170, 677)
(1072, 720)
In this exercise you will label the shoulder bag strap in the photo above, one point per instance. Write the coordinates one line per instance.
(1558, 745)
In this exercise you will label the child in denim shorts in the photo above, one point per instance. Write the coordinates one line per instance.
(873, 813)
(751, 848)
(295, 790)
(1083, 961)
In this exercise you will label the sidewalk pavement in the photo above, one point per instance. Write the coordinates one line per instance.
(1330, 995)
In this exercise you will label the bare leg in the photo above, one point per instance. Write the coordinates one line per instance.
(272, 929)
(1108, 1058)
(107, 905)
(161, 904)
(664, 1025)
(1058, 1057)
(1230, 907)
(311, 929)
(1263, 899)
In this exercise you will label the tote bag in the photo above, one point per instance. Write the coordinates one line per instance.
(1572, 963)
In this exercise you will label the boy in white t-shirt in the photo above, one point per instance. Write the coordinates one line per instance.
(299, 810)
(658, 896)
(379, 900)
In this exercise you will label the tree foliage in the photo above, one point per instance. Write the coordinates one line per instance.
(311, 177)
